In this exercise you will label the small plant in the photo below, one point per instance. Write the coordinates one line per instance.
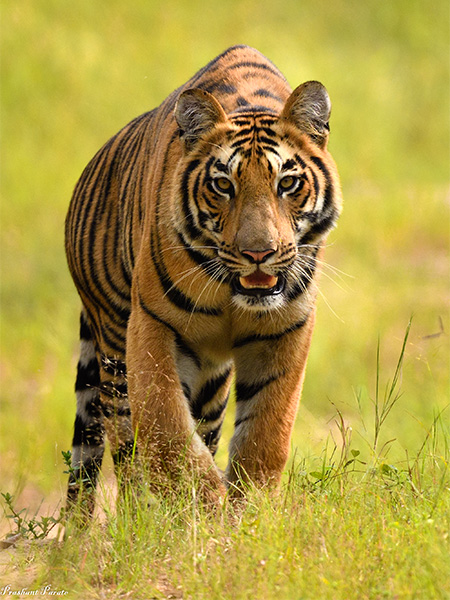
(344, 459)
(392, 392)
(67, 458)
(34, 528)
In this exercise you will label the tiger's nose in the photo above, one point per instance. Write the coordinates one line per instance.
(258, 256)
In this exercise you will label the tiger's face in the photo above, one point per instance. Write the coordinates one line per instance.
(259, 195)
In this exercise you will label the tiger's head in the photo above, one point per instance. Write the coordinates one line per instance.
(258, 192)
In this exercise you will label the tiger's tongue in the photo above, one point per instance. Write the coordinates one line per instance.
(258, 279)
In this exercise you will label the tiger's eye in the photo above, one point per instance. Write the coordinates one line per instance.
(223, 185)
(287, 184)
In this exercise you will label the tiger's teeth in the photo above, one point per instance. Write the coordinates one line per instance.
(258, 281)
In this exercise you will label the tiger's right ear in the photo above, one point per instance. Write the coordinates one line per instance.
(196, 112)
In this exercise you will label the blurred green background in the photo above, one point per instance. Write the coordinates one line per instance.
(73, 73)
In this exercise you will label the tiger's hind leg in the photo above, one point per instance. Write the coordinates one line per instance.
(102, 408)
(88, 443)
(116, 409)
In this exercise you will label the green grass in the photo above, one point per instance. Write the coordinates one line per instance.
(72, 75)
(340, 528)
(352, 539)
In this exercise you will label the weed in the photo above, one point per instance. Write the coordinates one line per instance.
(35, 528)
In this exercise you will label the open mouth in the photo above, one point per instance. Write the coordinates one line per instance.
(259, 284)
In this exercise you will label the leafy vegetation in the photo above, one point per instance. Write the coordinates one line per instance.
(363, 512)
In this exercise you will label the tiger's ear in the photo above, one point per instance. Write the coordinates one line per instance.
(309, 108)
(197, 112)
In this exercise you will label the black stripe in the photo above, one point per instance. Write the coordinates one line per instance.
(240, 143)
(245, 391)
(316, 185)
(231, 157)
(329, 184)
(266, 121)
(240, 421)
(244, 134)
(262, 139)
(297, 289)
(220, 166)
(308, 269)
(207, 169)
(122, 292)
(257, 337)
(88, 433)
(207, 393)
(174, 294)
(320, 227)
(193, 230)
(114, 366)
(242, 121)
(241, 101)
(185, 349)
(272, 150)
(85, 331)
(256, 65)
(219, 86)
(211, 438)
(93, 326)
(320, 164)
(113, 344)
(256, 111)
(323, 221)
(216, 413)
(289, 164)
(268, 131)
(263, 93)
(114, 390)
(179, 341)
(117, 333)
(304, 281)
(205, 217)
(301, 185)
(87, 475)
(186, 390)
(300, 161)
(196, 255)
(88, 376)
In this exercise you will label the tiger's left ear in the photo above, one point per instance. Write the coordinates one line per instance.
(196, 113)
(309, 108)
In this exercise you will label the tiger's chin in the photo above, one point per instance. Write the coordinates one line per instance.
(252, 294)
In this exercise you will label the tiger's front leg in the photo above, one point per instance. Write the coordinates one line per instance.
(167, 438)
(269, 379)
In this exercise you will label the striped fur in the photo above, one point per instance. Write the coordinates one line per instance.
(194, 238)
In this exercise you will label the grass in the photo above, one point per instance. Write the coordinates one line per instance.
(71, 77)
(377, 533)
(355, 537)
(349, 523)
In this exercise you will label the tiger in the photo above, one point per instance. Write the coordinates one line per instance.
(195, 239)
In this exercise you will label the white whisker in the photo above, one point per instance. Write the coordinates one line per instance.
(305, 275)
